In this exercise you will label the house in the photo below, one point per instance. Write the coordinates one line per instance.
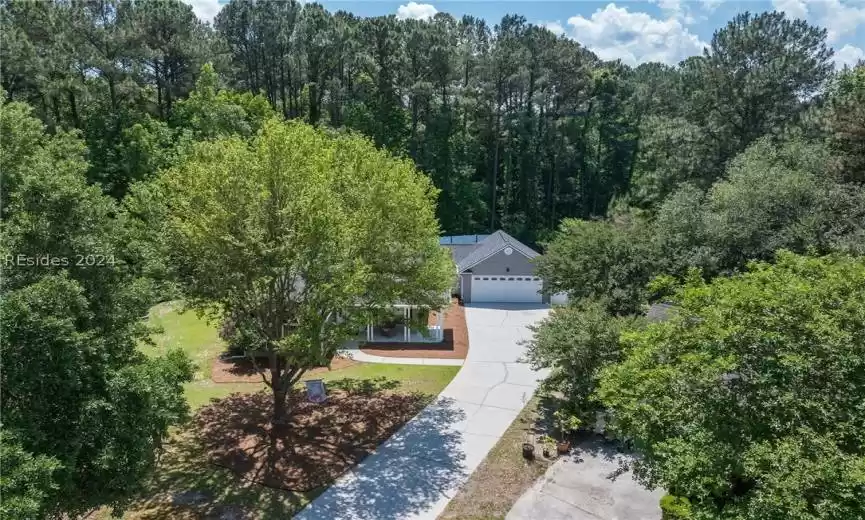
(495, 268)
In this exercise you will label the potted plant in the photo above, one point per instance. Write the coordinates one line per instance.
(565, 423)
(528, 450)
(548, 444)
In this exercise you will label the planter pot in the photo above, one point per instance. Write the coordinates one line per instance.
(563, 447)
(528, 450)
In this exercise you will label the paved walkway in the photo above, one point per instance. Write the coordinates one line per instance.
(357, 354)
(416, 472)
(589, 485)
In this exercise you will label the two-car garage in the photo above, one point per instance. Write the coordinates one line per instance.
(516, 289)
(495, 268)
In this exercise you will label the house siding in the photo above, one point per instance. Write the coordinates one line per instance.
(466, 293)
(500, 263)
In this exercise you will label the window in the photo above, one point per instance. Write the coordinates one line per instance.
(485, 278)
(477, 277)
(510, 278)
(520, 278)
(493, 278)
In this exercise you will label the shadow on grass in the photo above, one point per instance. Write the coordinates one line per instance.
(187, 485)
(229, 461)
(365, 387)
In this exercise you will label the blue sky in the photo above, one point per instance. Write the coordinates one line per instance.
(633, 31)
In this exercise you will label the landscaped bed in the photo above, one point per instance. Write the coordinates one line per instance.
(454, 346)
(320, 442)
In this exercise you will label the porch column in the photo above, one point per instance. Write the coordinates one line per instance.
(369, 331)
(406, 330)
(440, 333)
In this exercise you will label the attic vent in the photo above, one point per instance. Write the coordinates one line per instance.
(509, 251)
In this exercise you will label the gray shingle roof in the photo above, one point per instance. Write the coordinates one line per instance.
(491, 245)
(461, 245)
(460, 251)
(660, 312)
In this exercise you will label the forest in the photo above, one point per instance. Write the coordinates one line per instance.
(731, 183)
(517, 127)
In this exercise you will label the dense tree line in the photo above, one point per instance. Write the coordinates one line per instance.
(517, 127)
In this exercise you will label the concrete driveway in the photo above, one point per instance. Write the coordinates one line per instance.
(588, 485)
(416, 472)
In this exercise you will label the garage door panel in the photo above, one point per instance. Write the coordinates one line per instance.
(506, 289)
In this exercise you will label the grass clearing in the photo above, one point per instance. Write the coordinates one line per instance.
(504, 475)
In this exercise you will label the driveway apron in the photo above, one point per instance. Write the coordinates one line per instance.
(415, 473)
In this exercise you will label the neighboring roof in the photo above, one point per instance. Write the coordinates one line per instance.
(660, 312)
(492, 245)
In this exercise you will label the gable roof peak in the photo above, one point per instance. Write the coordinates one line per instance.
(491, 245)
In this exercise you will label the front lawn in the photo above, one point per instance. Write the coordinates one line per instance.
(201, 341)
(367, 403)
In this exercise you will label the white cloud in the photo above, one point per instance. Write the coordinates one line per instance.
(616, 33)
(711, 5)
(848, 55)
(206, 10)
(675, 9)
(840, 18)
(554, 27)
(416, 11)
(792, 8)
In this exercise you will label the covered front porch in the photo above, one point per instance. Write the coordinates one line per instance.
(405, 327)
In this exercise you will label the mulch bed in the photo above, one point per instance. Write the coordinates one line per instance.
(319, 443)
(454, 346)
(242, 370)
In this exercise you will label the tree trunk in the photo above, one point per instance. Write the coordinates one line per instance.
(277, 384)
(280, 415)
(495, 166)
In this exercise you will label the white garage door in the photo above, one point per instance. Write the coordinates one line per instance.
(516, 289)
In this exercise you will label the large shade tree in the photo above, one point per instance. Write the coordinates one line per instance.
(609, 261)
(84, 414)
(748, 402)
(299, 238)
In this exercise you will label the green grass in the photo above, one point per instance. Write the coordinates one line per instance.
(186, 331)
(185, 466)
(412, 378)
(200, 339)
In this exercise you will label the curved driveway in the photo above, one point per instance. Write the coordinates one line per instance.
(416, 472)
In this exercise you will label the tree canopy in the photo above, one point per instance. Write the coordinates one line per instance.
(748, 401)
(83, 412)
(299, 237)
(517, 127)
